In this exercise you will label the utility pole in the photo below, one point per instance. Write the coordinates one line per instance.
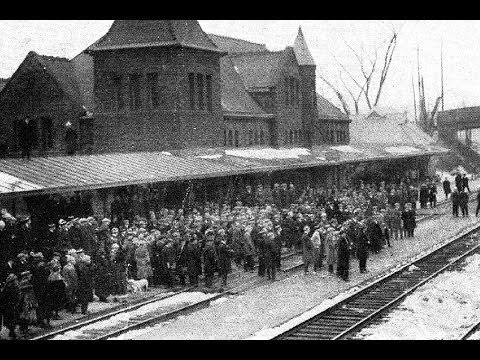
(414, 99)
(441, 70)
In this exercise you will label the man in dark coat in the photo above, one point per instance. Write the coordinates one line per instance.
(40, 273)
(224, 255)
(463, 202)
(423, 196)
(343, 264)
(10, 304)
(27, 137)
(24, 236)
(70, 139)
(409, 222)
(103, 277)
(259, 242)
(465, 182)
(455, 202)
(209, 258)
(446, 188)
(85, 282)
(168, 261)
(459, 182)
(88, 237)
(193, 256)
(375, 235)
(362, 248)
(269, 255)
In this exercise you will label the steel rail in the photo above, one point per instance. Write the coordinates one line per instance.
(380, 307)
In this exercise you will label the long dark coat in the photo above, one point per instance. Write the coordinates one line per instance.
(376, 236)
(193, 257)
(85, 282)
(209, 259)
(225, 254)
(362, 245)
(343, 254)
(118, 268)
(88, 239)
(103, 277)
(55, 295)
(409, 221)
(269, 250)
(40, 273)
(10, 302)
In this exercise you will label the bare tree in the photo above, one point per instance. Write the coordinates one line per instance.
(367, 77)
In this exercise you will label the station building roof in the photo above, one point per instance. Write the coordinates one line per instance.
(88, 172)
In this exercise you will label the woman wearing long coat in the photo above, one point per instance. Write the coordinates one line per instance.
(10, 304)
(85, 282)
(362, 249)
(28, 303)
(331, 243)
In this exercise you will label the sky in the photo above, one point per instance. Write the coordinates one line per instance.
(326, 39)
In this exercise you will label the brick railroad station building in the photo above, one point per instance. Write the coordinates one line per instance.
(161, 103)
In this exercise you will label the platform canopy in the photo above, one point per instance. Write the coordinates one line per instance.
(89, 172)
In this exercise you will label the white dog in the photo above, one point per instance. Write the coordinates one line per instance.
(137, 285)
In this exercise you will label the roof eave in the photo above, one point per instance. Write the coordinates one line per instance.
(152, 45)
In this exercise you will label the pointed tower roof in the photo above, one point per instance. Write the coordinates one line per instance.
(302, 53)
(126, 34)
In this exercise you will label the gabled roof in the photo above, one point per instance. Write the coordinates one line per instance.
(235, 46)
(258, 70)
(62, 70)
(59, 69)
(302, 53)
(328, 111)
(235, 99)
(391, 129)
(125, 34)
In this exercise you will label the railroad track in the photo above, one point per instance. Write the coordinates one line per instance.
(159, 310)
(472, 330)
(348, 317)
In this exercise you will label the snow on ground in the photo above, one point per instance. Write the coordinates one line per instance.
(259, 312)
(401, 149)
(346, 149)
(269, 153)
(166, 153)
(174, 302)
(216, 156)
(444, 308)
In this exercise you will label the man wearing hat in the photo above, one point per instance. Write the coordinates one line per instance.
(209, 258)
(24, 237)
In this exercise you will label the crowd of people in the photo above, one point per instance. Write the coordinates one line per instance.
(75, 258)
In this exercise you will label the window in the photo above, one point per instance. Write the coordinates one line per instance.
(135, 92)
(153, 90)
(47, 133)
(295, 137)
(291, 136)
(209, 93)
(118, 92)
(86, 133)
(191, 89)
(262, 138)
(338, 136)
(250, 137)
(297, 92)
(285, 136)
(237, 143)
(332, 136)
(230, 138)
(224, 137)
(257, 138)
(200, 84)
